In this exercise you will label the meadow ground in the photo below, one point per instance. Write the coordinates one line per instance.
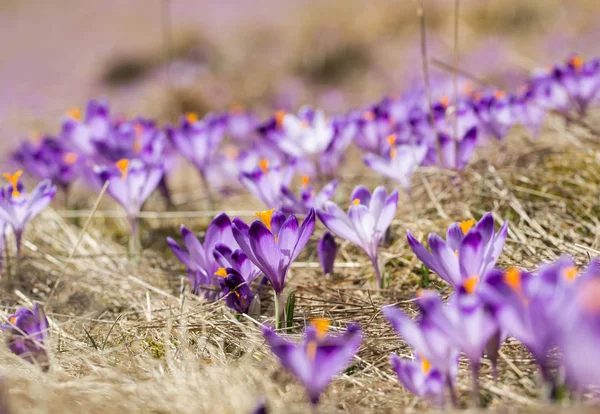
(129, 337)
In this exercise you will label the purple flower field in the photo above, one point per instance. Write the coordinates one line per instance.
(277, 207)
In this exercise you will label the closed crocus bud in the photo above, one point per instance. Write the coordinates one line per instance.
(327, 250)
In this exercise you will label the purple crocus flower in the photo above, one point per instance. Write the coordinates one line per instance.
(469, 250)
(273, 243)
(434, 349)
(48, 160)
(365, 223)
(26, 334)
(199, 258)
(399, 164)
(581, 79)
(17, 208)
(130, 183)
(235, 289)
(319, 357)
(82, 133)
(579, 338)
(495, 113)
(237, 260)
(309, 197)
(372, 128)
(307, 134)
(419, 378)
(529, 305)
(326, 250)
(456, 155)
(198, 140)
(266, 182)
(241, 125)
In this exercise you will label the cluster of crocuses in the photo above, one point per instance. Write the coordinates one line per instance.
(397, 136)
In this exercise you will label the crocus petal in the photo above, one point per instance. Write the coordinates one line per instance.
(388, 212)
(447, 260)
(362, 194)
(471, 255)
(267, 254)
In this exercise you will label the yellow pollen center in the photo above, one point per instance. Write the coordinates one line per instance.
(466, 225)
(471, 283)
(221, 272)
(576, 62)
(321, 325)
(499, 94)
(456, 252)
(305, 180)
(14, 180)
(356, 201)
(279, 116)
(392, 139)
(75, 113)
(70, 158)
(425, 365)
(191, 117)
(12, 319)
(512, 277)
(393, 153)
(445, 101)
(571, 273)
(123, 165)
(368, 116)
(264, 165)
(265, 217)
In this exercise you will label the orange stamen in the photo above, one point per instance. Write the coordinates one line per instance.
(425, 365)
(191, 117)
(12, 319)
(123, 165)
(279, 116)
(305, 180)
(321, 325)
(512, 277)
(470, 284)
(356, 201)
(445, 101)
(499, 94)
(466, 225)
(368, 115)
(14, 181)
(571, 273)
(75, 113)
(456, 252)
(70, 158)
(393, 153)
(391, 139)
(577, 62)
(137, 144)
(221, 272)
(264, 165)
(265, 217)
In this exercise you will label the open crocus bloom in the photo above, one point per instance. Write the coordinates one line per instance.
(266, 181)
(199, 257)
(400, 163)
(273, 243)
(319, 357)
(531, 306)
(84, 133)
(307, 134)
(425, 338)
(130, 183)
(236, 260)
(495, 113)
(26, 333)
(198, 140)
(235, 289)
(308, 198)
(418, 377)
(367, 219)
(466, 321)
(581, 80)
(469, 250)
(17, 207)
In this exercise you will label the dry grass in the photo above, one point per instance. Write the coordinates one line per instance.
(126, 338)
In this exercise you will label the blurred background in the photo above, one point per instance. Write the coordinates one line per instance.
(161, 58)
